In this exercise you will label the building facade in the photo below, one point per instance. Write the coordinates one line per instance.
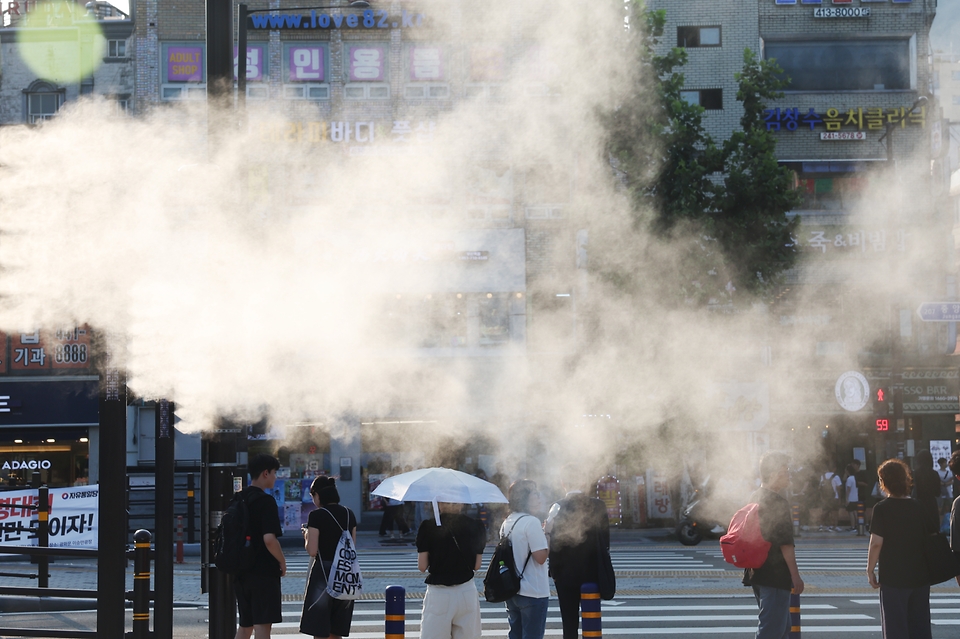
(857, 116)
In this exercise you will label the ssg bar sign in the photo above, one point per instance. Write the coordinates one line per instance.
(939, 311)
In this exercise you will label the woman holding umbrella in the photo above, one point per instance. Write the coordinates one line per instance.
(450, 553)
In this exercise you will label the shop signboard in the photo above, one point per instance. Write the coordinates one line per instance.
(659, 503)
(71, 401)
(931, 391)
(73, 521)
(608, 491)
(43, 350)
(184, 64)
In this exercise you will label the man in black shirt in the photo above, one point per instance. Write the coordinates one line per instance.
(258, 591)
(575, 527)
(773, 581)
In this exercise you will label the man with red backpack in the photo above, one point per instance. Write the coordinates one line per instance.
(773, 581)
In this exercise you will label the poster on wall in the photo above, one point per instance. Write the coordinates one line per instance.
(375, 502)
(74, 515)
(940, 449)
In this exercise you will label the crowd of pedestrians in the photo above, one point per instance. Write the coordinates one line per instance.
(911, 506)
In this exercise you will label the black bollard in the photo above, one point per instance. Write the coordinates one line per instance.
(43, 535)
(141, 584)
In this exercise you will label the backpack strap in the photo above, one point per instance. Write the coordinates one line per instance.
(342, 529)
(529, 552)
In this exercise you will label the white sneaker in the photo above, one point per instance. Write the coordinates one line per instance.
(717, 529)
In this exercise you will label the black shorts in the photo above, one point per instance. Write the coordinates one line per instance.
(258, 600)
(851, 506)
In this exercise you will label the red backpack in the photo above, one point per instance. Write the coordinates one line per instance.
(743, 545)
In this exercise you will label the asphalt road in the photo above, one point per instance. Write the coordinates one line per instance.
(665, 590)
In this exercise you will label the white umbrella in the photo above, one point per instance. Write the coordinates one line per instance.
(439, 484)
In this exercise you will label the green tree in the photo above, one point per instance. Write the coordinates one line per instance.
(750, 220)
(723, 206)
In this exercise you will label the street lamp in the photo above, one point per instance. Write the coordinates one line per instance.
(242, 39)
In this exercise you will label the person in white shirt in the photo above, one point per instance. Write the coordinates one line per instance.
(946, 486)
(853, 497)
(830, 487)
(527, 610)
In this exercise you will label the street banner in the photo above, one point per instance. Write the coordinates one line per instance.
(74, 516)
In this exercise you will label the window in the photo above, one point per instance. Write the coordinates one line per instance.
(306, 71)
(709, 99)
(42, 101)
(955, 76)
(116, 48)
(846, 65)
(691, 37)
(366, 91)
(42, 106)
(956, 99)
(486, 71)
(426, 72)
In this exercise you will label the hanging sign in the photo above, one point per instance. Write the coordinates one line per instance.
(74, 515)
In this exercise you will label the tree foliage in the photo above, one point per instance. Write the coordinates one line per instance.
(724, 204)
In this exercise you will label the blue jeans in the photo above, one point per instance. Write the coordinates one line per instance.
(527, 616)
(774, 612)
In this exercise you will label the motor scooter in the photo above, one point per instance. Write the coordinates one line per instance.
(697, 519)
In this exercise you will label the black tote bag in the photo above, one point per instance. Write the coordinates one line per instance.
(606, 578)
(942, 563)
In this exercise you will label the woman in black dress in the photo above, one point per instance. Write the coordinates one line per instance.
(897, 532)
(324, 616)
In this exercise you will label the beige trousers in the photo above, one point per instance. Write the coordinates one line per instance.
(451, 612)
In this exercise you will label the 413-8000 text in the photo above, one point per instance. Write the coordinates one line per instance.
(841, 12)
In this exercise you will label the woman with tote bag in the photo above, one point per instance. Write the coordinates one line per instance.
(324, 616)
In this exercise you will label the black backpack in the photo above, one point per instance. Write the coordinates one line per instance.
(502, 580)
(233, 551)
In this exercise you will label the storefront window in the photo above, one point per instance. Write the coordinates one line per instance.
(60, 456)
(494, 318)
(303, 451)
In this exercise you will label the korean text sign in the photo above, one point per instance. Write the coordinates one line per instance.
(255, 56)
(426, 64)
(74, 516)
(366, 63)
(306, 63)
(184, 64)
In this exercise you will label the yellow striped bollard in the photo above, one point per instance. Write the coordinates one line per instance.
(590, 611)
(395, 614)
(861, 519)
(141, 584)
(794, 615)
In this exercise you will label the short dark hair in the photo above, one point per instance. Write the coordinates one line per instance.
(771, 463)
(262, 463)
(895, 477)
(519, 494)
(954, 463)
